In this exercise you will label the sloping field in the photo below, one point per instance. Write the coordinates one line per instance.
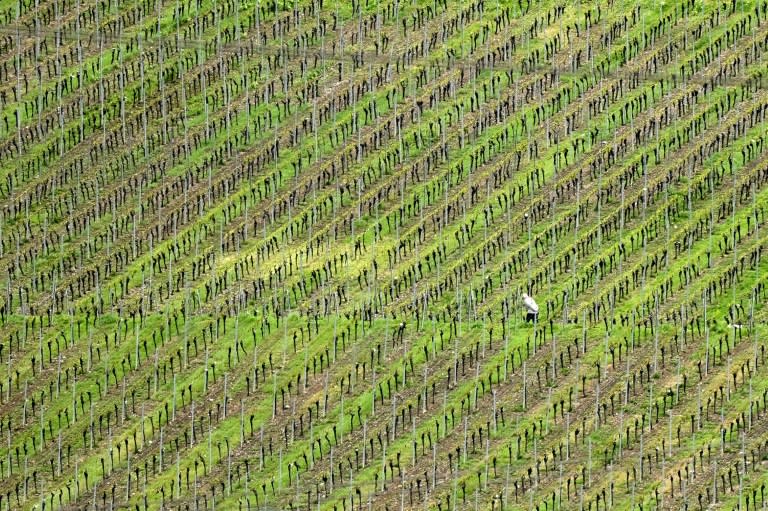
(271, 255)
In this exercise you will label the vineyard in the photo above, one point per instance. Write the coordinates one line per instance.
(276, 254)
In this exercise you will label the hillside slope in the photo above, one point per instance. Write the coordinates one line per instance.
(271, 255)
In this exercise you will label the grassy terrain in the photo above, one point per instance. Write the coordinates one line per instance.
(271, 255)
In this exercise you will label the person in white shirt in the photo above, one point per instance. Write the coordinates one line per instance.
(531, 308)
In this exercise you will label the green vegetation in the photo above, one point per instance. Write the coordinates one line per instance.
(272, 255)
